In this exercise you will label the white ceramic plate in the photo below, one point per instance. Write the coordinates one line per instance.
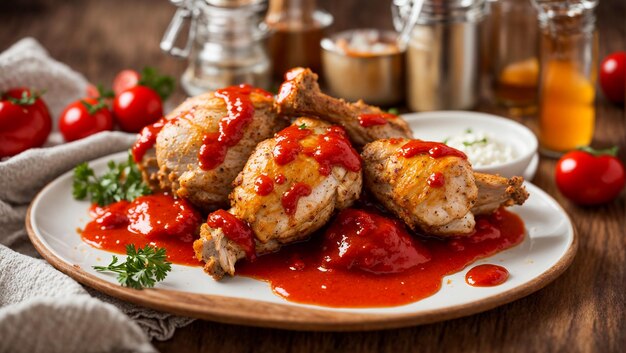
(547, 250)
(440, 125)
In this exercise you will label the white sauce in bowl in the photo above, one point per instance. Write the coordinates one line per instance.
(481, 148)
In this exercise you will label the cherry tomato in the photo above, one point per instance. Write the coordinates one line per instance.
(124, 80)
(613, 77)
(78, 122)
(92, 91)
(590, 179)
(137, 107)
(24, 122)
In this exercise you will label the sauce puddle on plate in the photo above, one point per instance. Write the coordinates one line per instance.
(336, 268)
(159, 220)
(297, 273)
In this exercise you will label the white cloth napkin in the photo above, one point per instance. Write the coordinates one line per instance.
(41, 309)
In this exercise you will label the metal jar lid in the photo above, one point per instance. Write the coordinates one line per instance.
(441, 11)
(219, 3)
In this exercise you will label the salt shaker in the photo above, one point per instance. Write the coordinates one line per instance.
(225, 45)
(442, 53)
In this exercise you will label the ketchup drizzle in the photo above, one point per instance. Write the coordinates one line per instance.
(436, 180)
(334, 148)
(433, 149)
(288, 143)
(263, 185)
(280, 179)
(290, 198)
(367, 120)
(231, 127)
(147, 139)
(235, 230)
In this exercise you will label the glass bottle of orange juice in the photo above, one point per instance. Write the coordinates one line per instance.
(567, 74)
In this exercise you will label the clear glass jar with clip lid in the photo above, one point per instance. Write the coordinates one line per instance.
(225, 45)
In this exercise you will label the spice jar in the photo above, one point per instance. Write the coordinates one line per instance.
(364, 64)
(297, 27)
(514, 55)
(442, 53)
(568, 61)
(225, 45)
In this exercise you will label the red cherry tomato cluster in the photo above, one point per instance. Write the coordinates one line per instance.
(136, 101)
(24, 121)
(590, 177)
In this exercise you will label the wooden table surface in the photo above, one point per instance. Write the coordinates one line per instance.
(582, 311)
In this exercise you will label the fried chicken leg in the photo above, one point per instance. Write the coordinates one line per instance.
(289, 188)
(174, 163)
(437, 195)
(300, 95)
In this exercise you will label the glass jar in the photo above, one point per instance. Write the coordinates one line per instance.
(225, 45)
(568, 71)
(297, 27)
(514, 55)
(443, 52)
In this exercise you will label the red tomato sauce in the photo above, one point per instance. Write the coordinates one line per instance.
(369, 242)
(288, 144)
(367, 120)
(290, 198)
(147, 139)
(486, 275)
(280, 179)
(314, 273)
(235, 230)
(159, 220)
(231, 127)
(334, 148)
(433, 149)
(436, 180)
(263, 185)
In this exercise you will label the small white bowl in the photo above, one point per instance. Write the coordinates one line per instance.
(440, 125)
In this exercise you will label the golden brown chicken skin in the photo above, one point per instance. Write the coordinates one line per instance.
(439, 195)
(175, 162)
(284, 194)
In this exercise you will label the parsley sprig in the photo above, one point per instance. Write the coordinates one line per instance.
(163, 85)
(142, 268)
(122, 181)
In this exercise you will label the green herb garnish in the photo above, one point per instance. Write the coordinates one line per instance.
(142, 268)
(483, 140)
(302, 126)
(394, 111)
(122, 181)
(163, 85)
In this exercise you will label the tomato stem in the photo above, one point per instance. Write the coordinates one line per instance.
(27, 98)
(612, 151)
(93, 108)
